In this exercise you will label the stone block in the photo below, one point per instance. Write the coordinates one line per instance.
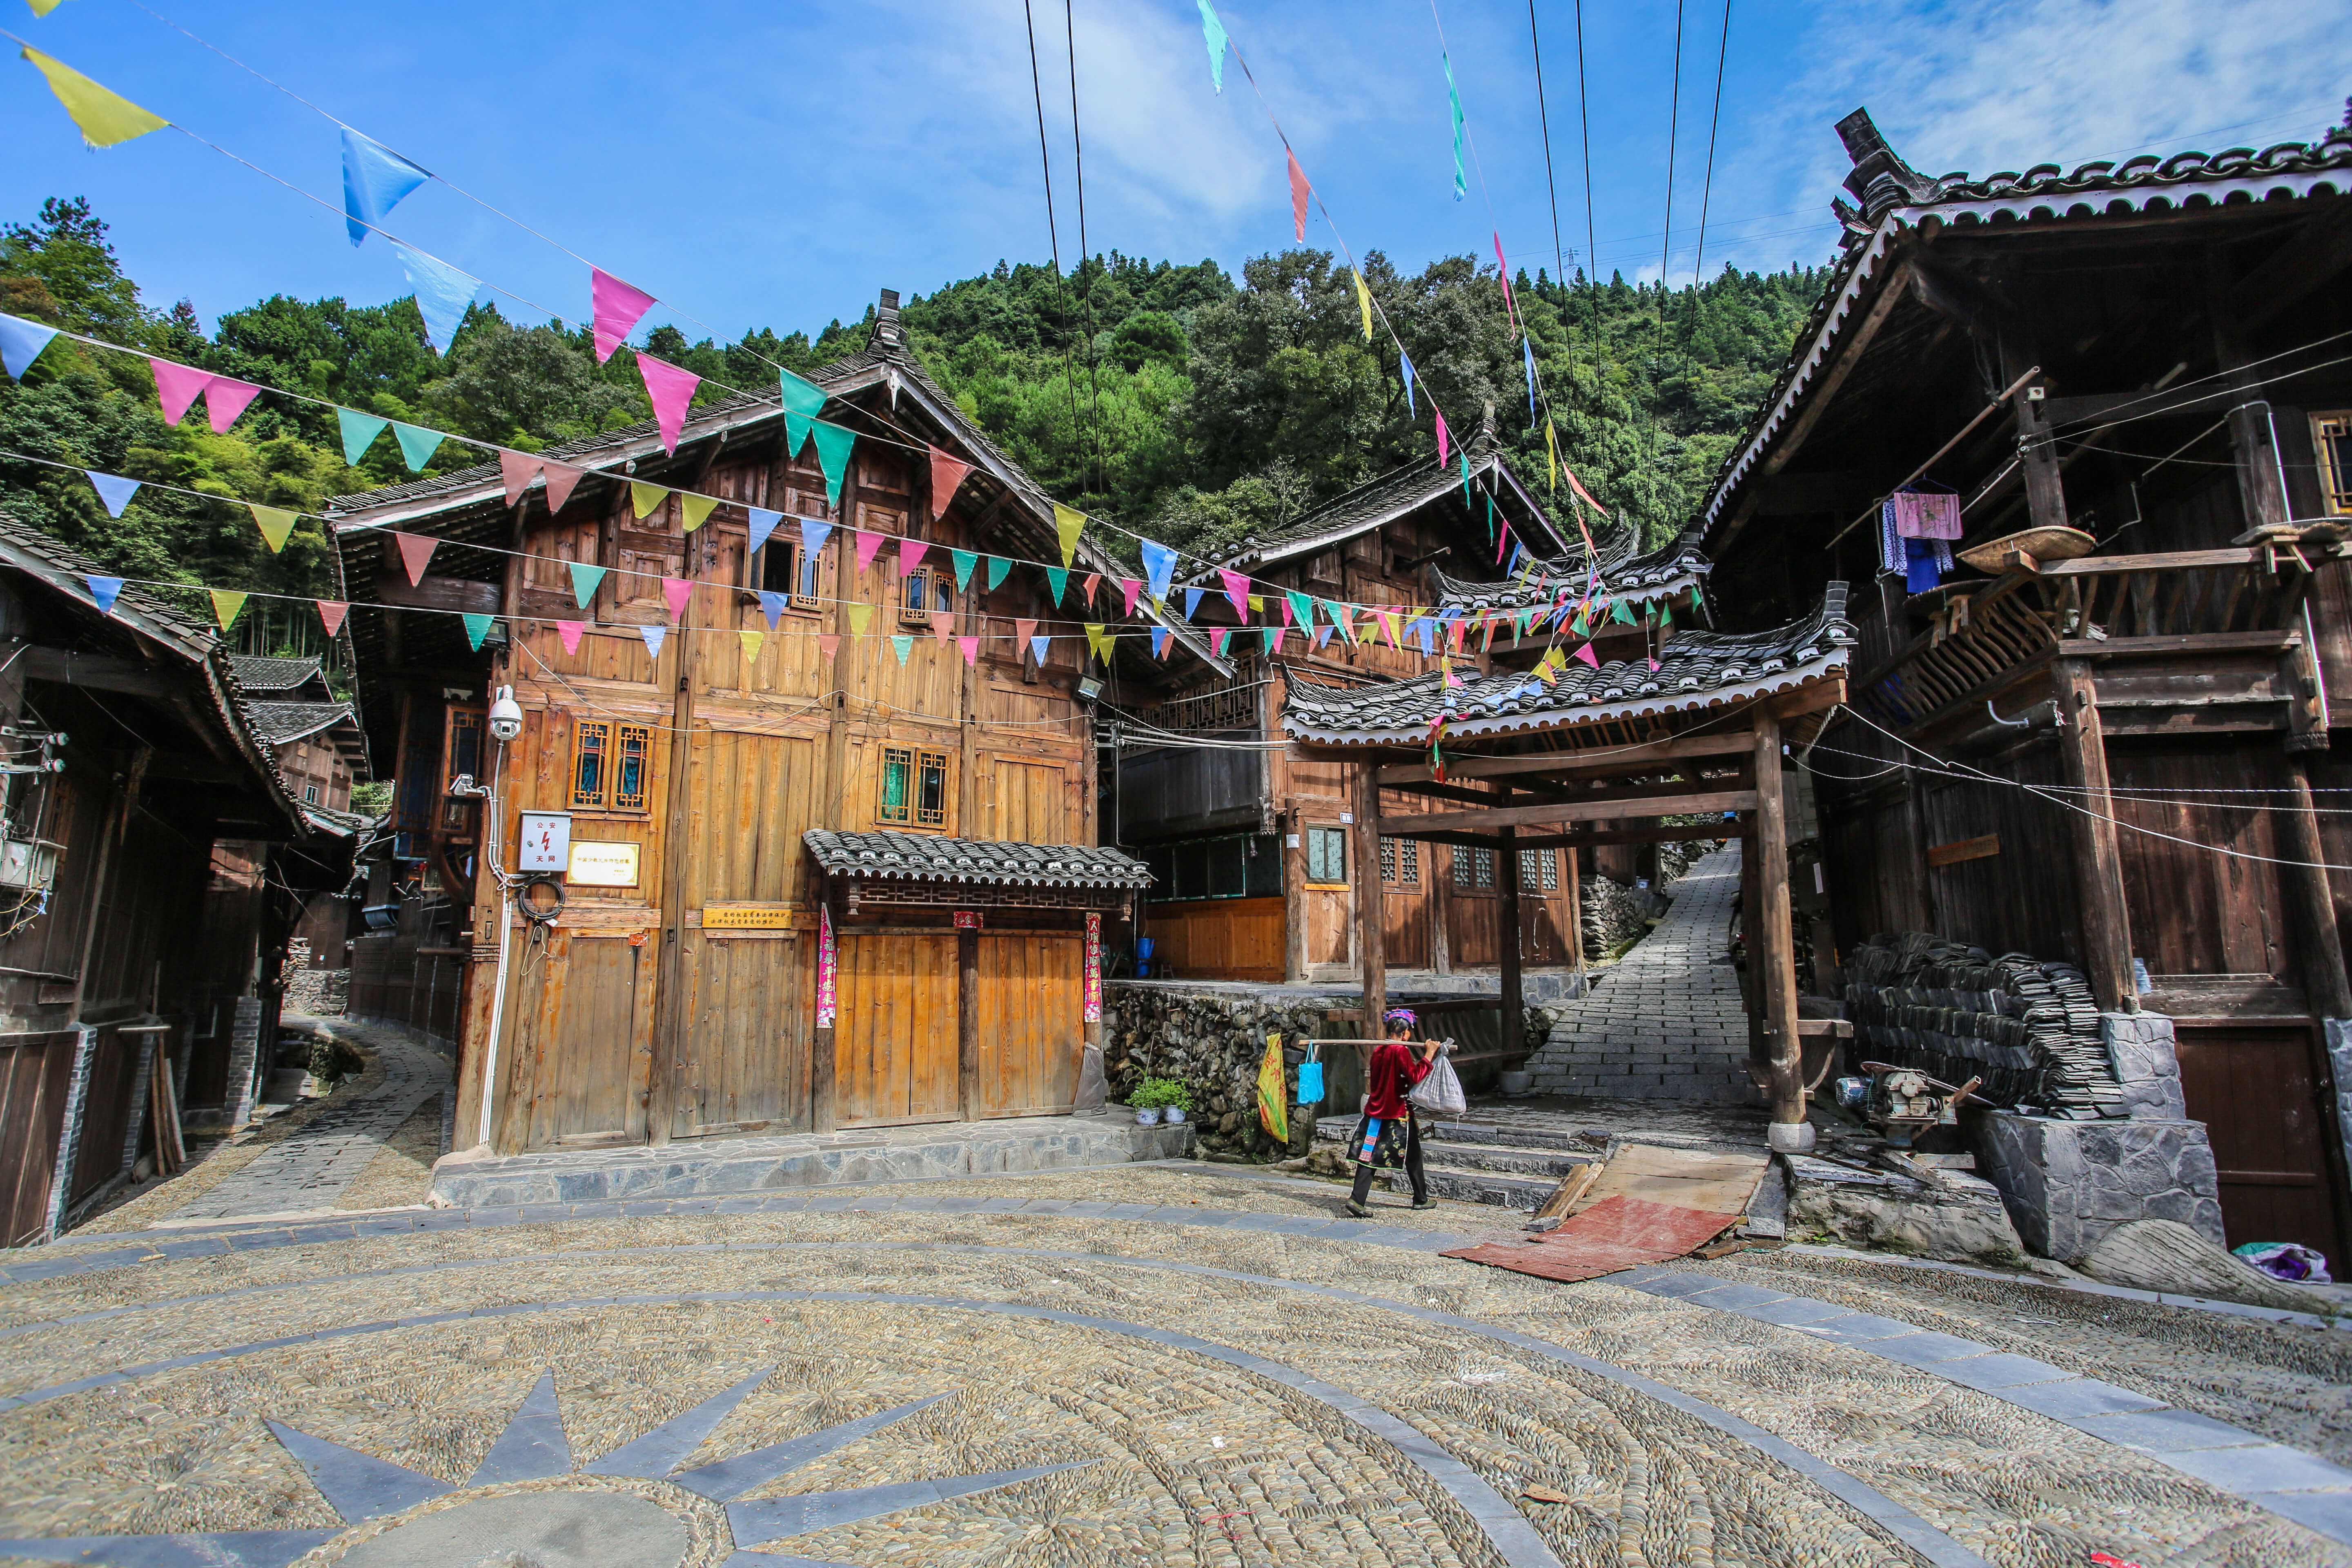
(2140, 1049)
(2068, 1184)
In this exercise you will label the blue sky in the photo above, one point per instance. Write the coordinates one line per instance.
(776, 164)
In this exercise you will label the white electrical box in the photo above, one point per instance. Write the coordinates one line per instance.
(546, 842)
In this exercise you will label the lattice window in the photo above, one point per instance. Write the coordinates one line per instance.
(914, 787)
(1401, 862)
(1474, 869)
(1539, 868)
(2331, 439)
(609, 763)
(925, 591)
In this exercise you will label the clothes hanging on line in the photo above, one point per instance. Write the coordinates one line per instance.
(1925, 564)
(1925, 514)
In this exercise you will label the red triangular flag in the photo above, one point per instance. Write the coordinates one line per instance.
(1093, 580)
(678, 592)
(332, 612)
(947, 473)
(570, 632)
(560, 479)
(1022, 631)
(828, 643)
(943, 624)
(415, 549)
(518, 470)
(671, 390)
(1297, 196)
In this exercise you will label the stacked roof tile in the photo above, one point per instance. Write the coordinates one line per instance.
(918, 857)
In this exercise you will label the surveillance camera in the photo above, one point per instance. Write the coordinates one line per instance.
(505, 716)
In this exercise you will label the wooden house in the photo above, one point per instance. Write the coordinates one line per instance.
(321, 752)
(799, 890)
(147, 841)
(1248, 841)
(2106, 737)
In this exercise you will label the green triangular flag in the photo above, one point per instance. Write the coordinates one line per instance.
(965, 559)
(1057, 578)
(833, 444)
(477, 628)
(275, 523)
(1490, 518)
(1464, 455)
(804, 400)
(1621, 611)
(360, 431)
(997, 567)
(584, 581)
(1302, 609)
(1666, 612)
(905, 646)
(415, 445)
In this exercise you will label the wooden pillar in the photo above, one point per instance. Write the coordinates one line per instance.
(1372, 935)
(1751, 921)
(2098, 864)
(671, 999)
(1294, 892)
(967, 1024)
(1506, 887)
(1773, 950)
(2309, 899)
(1573, 875)
(821, 1044)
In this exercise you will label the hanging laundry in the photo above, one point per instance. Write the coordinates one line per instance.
(1926, 514)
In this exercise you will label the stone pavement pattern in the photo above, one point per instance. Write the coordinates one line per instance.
(1220, 1372)
(1665, 1021)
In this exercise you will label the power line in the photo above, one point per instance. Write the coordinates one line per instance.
(1592, 274)
(1085, 296)
(1714, 122)
(1543, 113)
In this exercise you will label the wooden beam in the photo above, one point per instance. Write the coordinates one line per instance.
(1684, 833)
(2191, 642)
(1619, 803)
(1557, 763)
(2171, 561)
(1774, 949)
(106, 672)
(2098, 863)
(1372, 932)
(461, 593)
(1823, 392)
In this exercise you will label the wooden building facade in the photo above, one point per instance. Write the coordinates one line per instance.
(2107, 738)
(885, 693)
(1249, 844)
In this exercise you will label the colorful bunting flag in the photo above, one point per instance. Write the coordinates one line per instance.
(570, 632)
(226, 603)
(477, 628)
(868, 544)
(1527, 350)
(970, 647)
(671, 390)
(1577, 486)
(1237, 590)
(1217, 636)
(963, 560)
(813, 533)
(1445, 438)
(584, 581)
(1510, 306)
(751, 641)
(997, 567)
(1058, 580)
(833, 445)
(1159, 568)
(829, 645)
(1039, 646)
(442, 293)
(643, 497)
(947, 473)
(1363, 302)
(1323, 633)
(942, 625)
(276, 524)
(902, 646)
(375, 180)
(803, 401)
(416, 446)
(104, 591)
(860, 616)
(1453, 96)
(332, 612)
(910, 555)
(1551, 452)
(1274, 635)
(1068, 522)
(225, 399)
(1097, 644)
(771, 605)
(616, 308)
(415, 549)
(104, 117)
(679, 592)
(1405, 364)
(114, 492)
(1023, 630)
(21, 342)
(1467, 500)
(1298, 188)
(1587, 656)
(1213, 32)
(1094, 581)
(654, 637)
(1129, 588)
(1160, 642)
(693, 510)
(1192, 602)
(177, 387)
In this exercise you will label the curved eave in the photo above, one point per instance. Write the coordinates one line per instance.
(1681, 582)
(900, 874)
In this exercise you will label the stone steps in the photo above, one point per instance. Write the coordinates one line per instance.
(1475, 1186)
(1507, 1167)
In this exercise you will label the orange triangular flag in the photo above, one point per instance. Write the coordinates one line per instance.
(332, 612)
(518, 470)
(947, 473)
(415, 549)
(560, 479)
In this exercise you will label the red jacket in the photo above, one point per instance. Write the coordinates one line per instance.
(1394, 1069)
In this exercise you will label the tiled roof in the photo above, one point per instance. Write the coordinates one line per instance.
(255, 673)
(1627, 573)
(1698, 671)
(278, 722)
(916, 857)
(1895, 196)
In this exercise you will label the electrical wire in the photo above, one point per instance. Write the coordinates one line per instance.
(1706, 190)
(1552, 183)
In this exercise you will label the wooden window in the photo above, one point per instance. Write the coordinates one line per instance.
(2331, 441)
(461, 755)
(1474, 871)
(1327, 855)
(1401, 862)
(926, 590)
(1539, 869)
(608, 764)
(310, 794)
(914, 787)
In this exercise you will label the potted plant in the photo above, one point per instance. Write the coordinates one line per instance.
(1157, 1096)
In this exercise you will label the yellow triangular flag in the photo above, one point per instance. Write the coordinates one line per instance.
(1096, 641)
(643, 497)
(751, 641)
(43, 7)
(105, 118)
(275, 523)
(695, 509)
(1364, 304)
(1256, 604)
(1551, 449)
(226, 603)
(859, 614)
(1067, 521)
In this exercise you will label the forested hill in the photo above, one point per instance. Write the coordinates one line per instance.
(1172, 398)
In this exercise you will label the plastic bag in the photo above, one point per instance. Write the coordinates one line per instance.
(2288, 1261)
(1310, 1080)
(1440, 1093)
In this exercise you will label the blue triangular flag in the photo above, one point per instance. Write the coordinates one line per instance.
(1191, 601)
(814, 534)
(1158, 564)
(653, 636)
(416, 446)
(21, 342)
(997, 567)
(763, 523)
(772, 606)
(442, 294)
(374, 179)
(103, 590)
(1528, 349)
(1323, 634)
(1037, 645)
(1159, 642)
(1407, 365)
(112, 489)
(478, 628)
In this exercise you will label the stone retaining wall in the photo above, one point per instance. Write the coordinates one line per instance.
(318, 993)
(1212, 1041)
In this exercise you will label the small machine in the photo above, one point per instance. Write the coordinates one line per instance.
(1903, 1102)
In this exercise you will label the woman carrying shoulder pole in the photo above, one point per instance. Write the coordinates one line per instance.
(1389, 1138)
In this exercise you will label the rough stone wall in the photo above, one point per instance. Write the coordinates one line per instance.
(318, 993)
(2339, 1061)
(1613, 915)
(2068, 1184)
(244, 1042)
(2140, 1048)
(1213, 1041)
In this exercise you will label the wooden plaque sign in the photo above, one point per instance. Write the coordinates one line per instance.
(967, 919)
(603, 865)
(747, 917)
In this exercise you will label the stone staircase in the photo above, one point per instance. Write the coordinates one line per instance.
(1480, 1162)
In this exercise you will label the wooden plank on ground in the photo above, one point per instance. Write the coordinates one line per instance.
(1619, 1233)
(1713, 1182)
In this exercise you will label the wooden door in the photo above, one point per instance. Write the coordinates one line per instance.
(1032, 804)
(1031, 1004)
(36, 1074)
(2256, 1090)
(742, 1064)
(895, 1033)
(577, 1074)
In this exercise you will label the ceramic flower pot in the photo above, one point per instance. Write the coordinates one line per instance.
(1148, 1118)
(1174, 1115)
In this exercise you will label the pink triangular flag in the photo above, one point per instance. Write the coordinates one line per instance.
(518, 470)
(1286, 616)
(970, 647)
(1236, 589)
(828, 643)
(868, 543)
(1653, 666)
(1587, 656)
(671, 390)
(947, 473)
(177, 386)
(678, 591)
(1130, 586)
(618, 306)
(1443, 438)
(560, 479)
(1217, 636)
(570, 632)
(943, 624)
(910, 555)
(1280, 633)
(415, 549)
(1298, 188)
(1093, 580)
(1022, 631)
(225, 399)
(332, 612)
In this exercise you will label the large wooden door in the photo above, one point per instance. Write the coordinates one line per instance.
(577, 1074)
(2256, 1091)
(895, 1035)
(1031, 803)
(1032, 1004)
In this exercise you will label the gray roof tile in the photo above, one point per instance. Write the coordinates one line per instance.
(920, 856)
(278, 722)
(1627, 572)
(255, 673)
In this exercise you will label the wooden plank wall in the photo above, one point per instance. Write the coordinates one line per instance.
(1216, 939)
(36, 1076)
